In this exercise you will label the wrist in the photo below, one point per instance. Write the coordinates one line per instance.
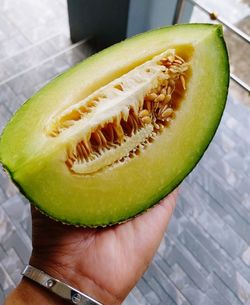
(30, 293)
(69, 274)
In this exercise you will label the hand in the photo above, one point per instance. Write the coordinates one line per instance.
(103, 263)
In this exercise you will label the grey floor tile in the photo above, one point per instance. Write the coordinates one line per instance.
(7, 29)
(14, 104)
(12, 46)
(131, 300)
(6, 283)
(224, 289)
(159, 289)
(187, 287)
(6, 94)
(2, 252)
(210, 245)
(24, 60)
(223, 193)
(21, 243)
(139, 297)
(143, 286)
(3, 72)
(164, 280)
(201, 253)
(17, 209)
(6, 228)
(13, 264)
(242, 269)
(9, 189)
(2, 196)
(152, 297)
(35, 34)
(228, 239)
(216, 297)
(177, 257)
(27, 225)
(240, 131)
(55, 44)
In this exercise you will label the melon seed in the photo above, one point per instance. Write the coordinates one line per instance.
(146, 120)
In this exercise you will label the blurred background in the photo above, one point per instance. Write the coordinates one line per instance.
(204, 257)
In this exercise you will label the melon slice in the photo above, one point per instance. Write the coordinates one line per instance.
(113, 135)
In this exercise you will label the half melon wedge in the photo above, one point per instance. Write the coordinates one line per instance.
(113, 135)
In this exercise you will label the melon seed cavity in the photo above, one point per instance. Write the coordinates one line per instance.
(119, 120)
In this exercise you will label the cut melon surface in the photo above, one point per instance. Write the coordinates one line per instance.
(113, 135)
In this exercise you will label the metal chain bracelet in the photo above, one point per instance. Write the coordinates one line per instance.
(59, 288)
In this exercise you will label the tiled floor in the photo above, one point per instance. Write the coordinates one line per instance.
(204, 257)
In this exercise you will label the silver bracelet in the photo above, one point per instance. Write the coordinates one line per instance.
(59, 288)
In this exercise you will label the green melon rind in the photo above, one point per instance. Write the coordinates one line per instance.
(177, 179)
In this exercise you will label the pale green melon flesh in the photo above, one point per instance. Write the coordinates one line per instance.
(37, 162)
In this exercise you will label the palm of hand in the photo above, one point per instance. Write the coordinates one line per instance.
(105, 263)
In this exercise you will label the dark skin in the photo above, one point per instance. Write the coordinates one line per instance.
(103, 263)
